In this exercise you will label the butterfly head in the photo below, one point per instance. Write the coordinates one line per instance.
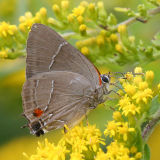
(105, 78)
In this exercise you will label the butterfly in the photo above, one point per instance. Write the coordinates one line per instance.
(61, 86)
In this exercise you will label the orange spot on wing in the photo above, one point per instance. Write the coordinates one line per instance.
(37, 112)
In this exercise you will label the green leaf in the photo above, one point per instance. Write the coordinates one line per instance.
(146, 152)
(155, 105)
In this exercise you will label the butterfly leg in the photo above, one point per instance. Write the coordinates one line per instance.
(109, 92)
(114, 84)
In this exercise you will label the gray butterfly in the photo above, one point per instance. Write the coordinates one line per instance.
(61, 86)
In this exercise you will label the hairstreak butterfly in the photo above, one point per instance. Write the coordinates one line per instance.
(61, 86)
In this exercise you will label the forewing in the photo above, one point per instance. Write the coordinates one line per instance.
(48, 51)
(63, 96)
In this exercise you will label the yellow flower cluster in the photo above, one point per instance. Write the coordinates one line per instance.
(49, 151)
(118, 130)
(7, 30)
(137, 93)
(83, 139)
(76, 144)
(132, 106)
(28, 19)
(82, 143)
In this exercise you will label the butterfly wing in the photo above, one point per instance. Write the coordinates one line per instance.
(48, 51)
(63, 98)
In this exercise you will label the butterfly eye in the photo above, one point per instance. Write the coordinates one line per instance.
(105, 78)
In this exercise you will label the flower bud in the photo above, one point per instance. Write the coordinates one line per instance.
(114, 37)
(85, 50)
(83, 28)
(43, 11)
(70, 17)
(138, 70)
(149, 76)
(119, 48)
(122, 28)
(56, 8)
(65, 4)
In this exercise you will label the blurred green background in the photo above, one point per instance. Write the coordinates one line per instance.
(13, 139)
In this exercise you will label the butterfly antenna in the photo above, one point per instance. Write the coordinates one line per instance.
(117, 87)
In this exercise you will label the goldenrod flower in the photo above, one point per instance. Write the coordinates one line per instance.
(49, 151)
(70, 17)
(130, 89)
(119, 48)
(130, 109)
(78, 11)
(117, 115)
(51, 20)
(117, 151)
(138, 155)
(84, 3)
(85, 50)
(143, 96)
(101, 155)
(143, 85)
(149, 76)
(114, 37)
(83, 138)
(138, 70)
(137, 80)
(76, 156)
(133, 149)
(111, 128)
(86, 42)
(82, 28)
(103, 32)
(123, 130)
(65, 4)
(56, 8)
(100, 40)
(91, 6)
(3, 53)
(40, 16)
(43, 11)
(129, 76)
(26, 21)
(7, 30)
(80, 19)
(122, 28)
(22, 19)
(100, 4)
(125, 100)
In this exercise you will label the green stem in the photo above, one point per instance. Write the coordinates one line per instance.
(150, 126)
(133, 19)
